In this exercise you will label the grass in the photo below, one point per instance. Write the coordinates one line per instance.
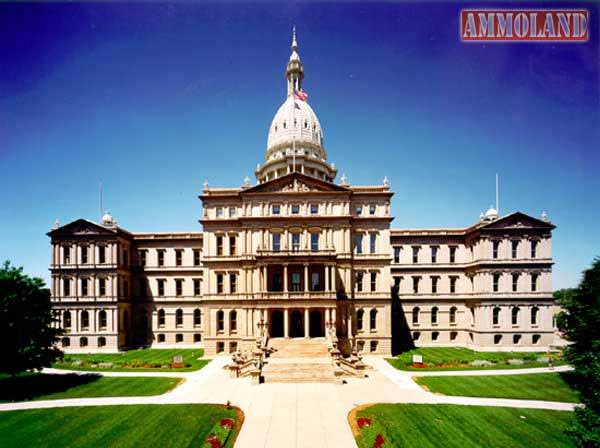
(460, 358)
(115, 426)
(454, 426)
(142, 360)
(40, 386)
(537, 386)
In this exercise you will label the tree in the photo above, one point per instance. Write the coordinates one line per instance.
(582, 319)
(563, 297)
(26, 331)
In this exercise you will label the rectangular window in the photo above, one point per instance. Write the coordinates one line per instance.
(434, 251)
(275, 209)
(372, 243)
(125, 288)
(373, 281)
(434, 283)
(178, 257)
(416, 284)
(359, 282)
(142, 284)
(220, 288)
(315, 281)
(452, 254)
(358, 240)
(101, 287)
(232, 245)
(314, 242)
(101, 254)
(196, 257)
(296, 281)
(534, 244)
(125, 257)
(396, 254)
(534, 281)
(372, 209)
(84, 287)
(67, 286)
(515, 282)
(496, 282)
(197, 286)
(514, 247)
(397, 282)
(219, 212)
(453, 284)
(161, 257)
(276, 242)
(142, 257)
(232, 212)
(295, 242)
(178, 287)
(415, 254)
(84, 254)
(219, 245)
(358, 210)
(495, 246)
(295, 209)
(232, 283)
(160, 283)
(314, 209)
(66, 254)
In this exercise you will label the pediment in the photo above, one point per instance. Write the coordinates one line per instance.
(82, 227)
(518, 220)
(295, 183)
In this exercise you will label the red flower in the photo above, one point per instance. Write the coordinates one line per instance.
(363, 422)
(378, 441)
(213, 441)
(226, 423)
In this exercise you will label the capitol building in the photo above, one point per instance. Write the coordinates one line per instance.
(302, 254)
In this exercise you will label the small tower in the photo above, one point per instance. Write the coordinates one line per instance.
(295, 72)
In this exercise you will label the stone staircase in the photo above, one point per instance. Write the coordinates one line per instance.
(298, 361)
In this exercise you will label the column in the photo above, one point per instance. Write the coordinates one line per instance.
(286, 323)
(306, 321)
(306, 278)
(326, 278)
(285, 278)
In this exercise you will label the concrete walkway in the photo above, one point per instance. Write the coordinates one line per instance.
(293, 415)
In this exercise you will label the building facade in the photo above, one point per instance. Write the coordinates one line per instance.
(297, 255)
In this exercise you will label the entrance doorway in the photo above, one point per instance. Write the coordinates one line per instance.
(276, 324)
(317, 327)
(297, 324)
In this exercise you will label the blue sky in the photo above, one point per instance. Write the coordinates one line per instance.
(155, 98)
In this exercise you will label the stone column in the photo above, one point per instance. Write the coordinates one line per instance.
(286, 323)
(306, 278)
(285, 278)
(306, 321)
(326, 278)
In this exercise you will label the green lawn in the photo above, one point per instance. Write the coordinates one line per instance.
(146, 359)
(536, 386)
(448, 358)
(41, 386)
(114, 426)
(453, 426)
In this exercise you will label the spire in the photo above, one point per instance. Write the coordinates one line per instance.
(294, 72)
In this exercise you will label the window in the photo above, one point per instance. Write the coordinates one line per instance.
(372, 243)
(416, 335)
(315, 281)
(295, 209)
(233, 346)
(232, 245)
(220, 320)
(67, 254)
(197, 337)
(453, 316)
(496, 316)
(534, 279)
(497, 339)
(161, 318)
(66, 342)
(84, 287)
(415, 315)
(232, 212)
(219, 212)
(197, 286)
(435, 335)
(314, 209)
(296, 281)
(495, 246)
(160, 283)
(452, 254)
(434, 284)
(358, 240)
(496, 282)
(178, 338)
(125, 257)
(295, 242)
(360, 315)
(197, 317)
(276, 237)
(125, 288)
(161, 338)
(233, 321)
(179, 317)
(373, 281)
(359, 282)
(397, 280)
(434, 315)
(219, 245)
(516, 339)
(415, 254)
(535, 339)
(453, 335)
(453, 284)
(514, 245)
(358, 210)
(275, 209)
(221, 345)
(534, 244)
(373, 319)
(102, 320)
(101, 254)
(416, 284)
(67, 319)
(142, 257)
(372, 209)
(67, 286)
(85, 320)
(83, 342)
(178, 257)
(396, 254)
(515, 315)
(84, 254)
(161, 257)
(220, 288)
(196, 257)
(434, 252)
(314, 242)
(515, 282)
(101, 287)
(534, 315)
(178, 287)
(232, 283)
(101, 341)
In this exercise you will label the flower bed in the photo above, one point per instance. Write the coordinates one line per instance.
(219, 434)
(371, 432)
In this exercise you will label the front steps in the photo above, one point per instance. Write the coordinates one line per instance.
(299, 348)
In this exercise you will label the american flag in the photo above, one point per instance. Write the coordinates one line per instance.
(300, 95)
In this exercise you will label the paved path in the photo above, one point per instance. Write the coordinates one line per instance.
(491, 372)
(294, 415)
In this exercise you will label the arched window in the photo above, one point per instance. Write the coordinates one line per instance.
(101, 341)
(220, 320)
(534, 315)
(496, 316)
(233, 321)
(453, 315)
(373, 319)
(66, 342)
(67, 319)
(197, 317)
(85, 320)
(161, 318)
(415, 315)
(434, 315)
(83, 342)
(515, 315)
(102, 320)
(360, 315)
(179, 317)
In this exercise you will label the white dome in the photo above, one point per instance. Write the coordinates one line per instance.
(492, 213)
(295, 123)
(107, 219)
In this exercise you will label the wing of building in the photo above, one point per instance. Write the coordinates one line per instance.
(297, 255)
